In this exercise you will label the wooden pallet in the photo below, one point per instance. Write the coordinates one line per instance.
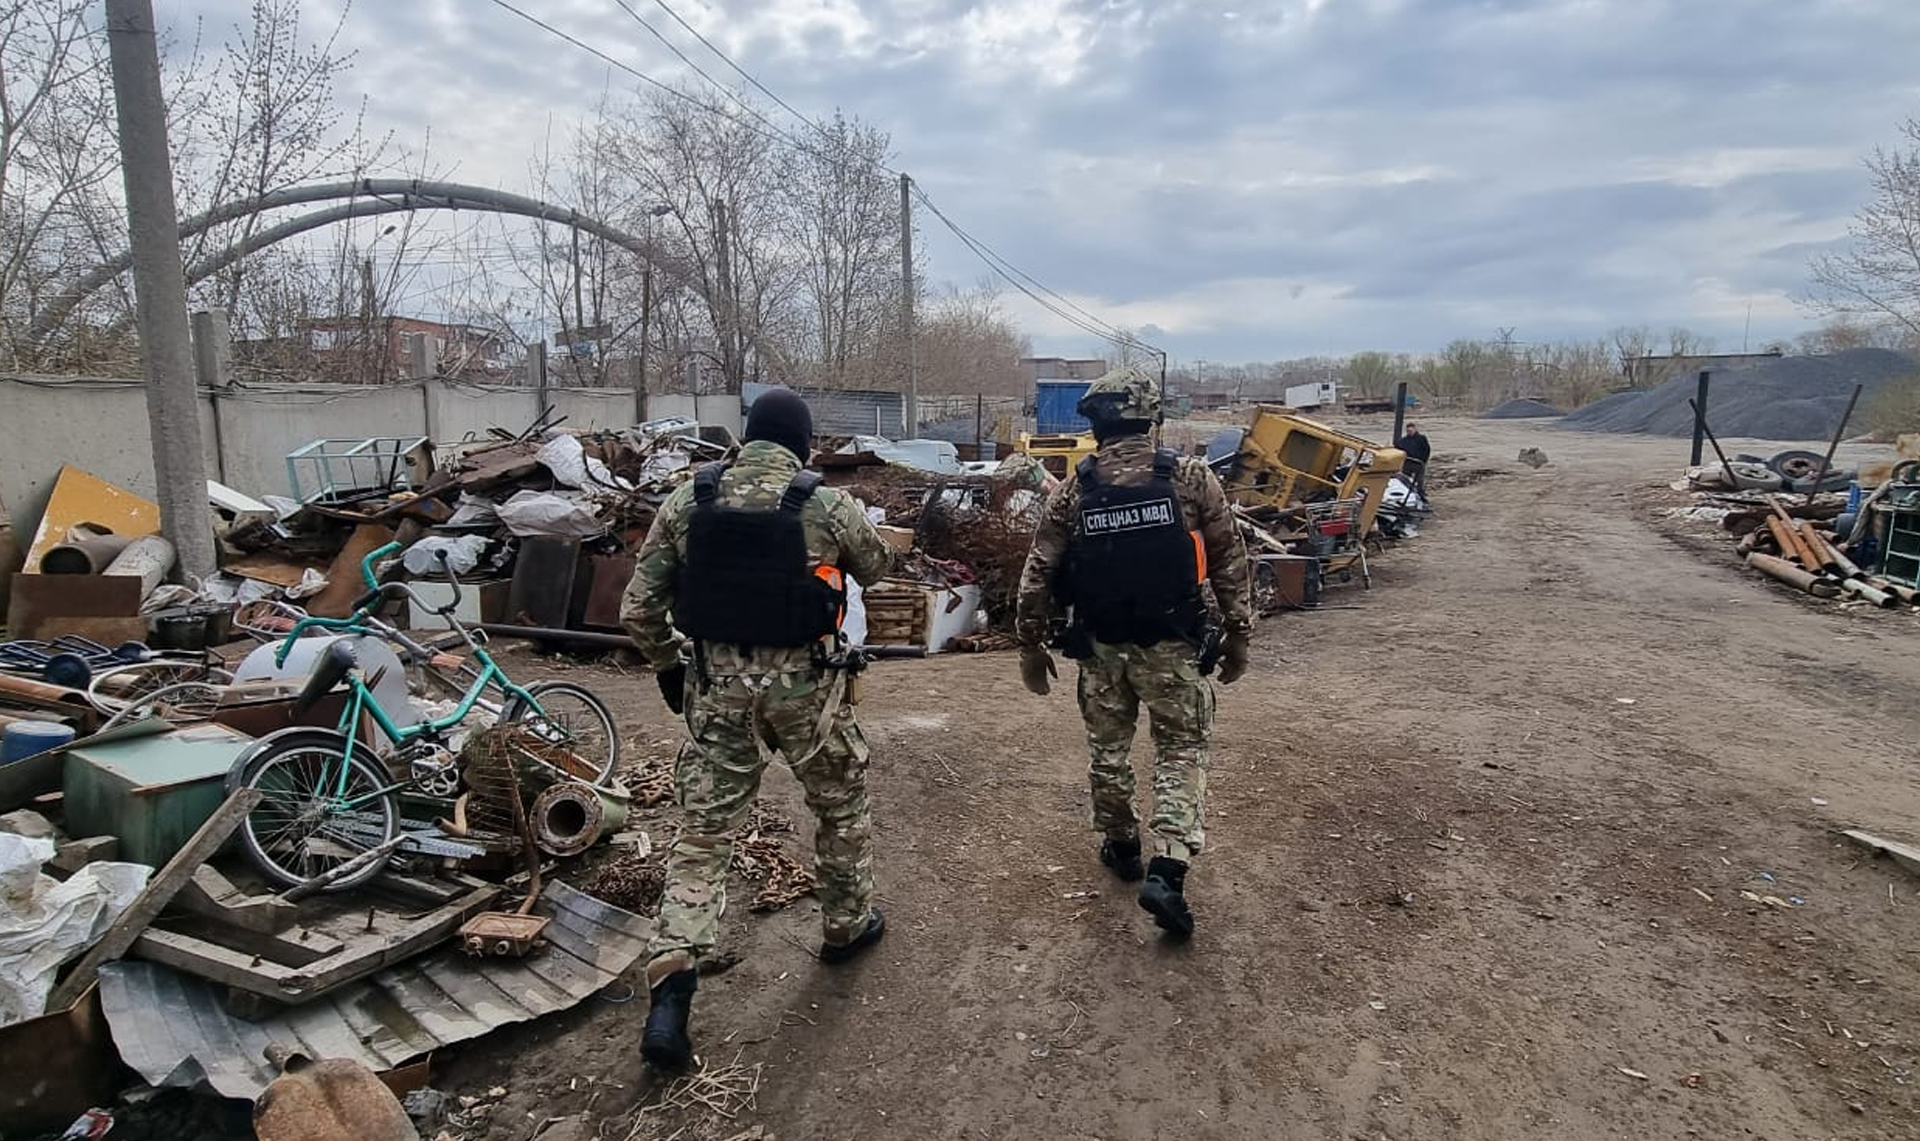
(270, 953)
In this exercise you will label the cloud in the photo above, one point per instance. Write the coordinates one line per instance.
(1267, 178)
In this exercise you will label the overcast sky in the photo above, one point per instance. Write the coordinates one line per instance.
(1267, 179)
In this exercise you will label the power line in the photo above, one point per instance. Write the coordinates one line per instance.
(748, 76)
(1060, 306)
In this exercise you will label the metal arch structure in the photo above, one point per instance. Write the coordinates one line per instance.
(368, 197)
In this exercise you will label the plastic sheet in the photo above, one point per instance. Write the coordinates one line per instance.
(44, 922)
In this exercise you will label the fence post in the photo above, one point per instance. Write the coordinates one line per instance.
(423, 364)
(213, 372)
(1699, 420)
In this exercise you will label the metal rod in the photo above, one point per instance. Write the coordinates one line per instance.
(1814, 487)
(1700, 425)
(544, 634)
(1699, 403)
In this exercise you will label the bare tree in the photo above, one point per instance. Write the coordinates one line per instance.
(1878, 277)
(967, 345)
(845, 223)
(57, 158)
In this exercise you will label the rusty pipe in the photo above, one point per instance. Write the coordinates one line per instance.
(1781, 570)
(1790, 545)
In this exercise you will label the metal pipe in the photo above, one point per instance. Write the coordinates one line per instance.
(148, 559)
(1879, 598)
(1814, 487)
(1784, 571)
(1700, 427)
(544, 634)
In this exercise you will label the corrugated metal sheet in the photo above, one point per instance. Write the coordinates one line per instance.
(1055, 406)
(846, 412)
(174, 1029)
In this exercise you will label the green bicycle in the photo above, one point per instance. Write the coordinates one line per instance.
(330, 797)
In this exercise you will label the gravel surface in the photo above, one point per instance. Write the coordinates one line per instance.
(1793, 398)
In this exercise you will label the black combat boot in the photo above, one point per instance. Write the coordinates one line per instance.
(665, 1042)
(833, 954)
(1123, 856)
(1163, 896)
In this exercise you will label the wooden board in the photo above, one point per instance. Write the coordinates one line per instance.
(272, 570)
(153, 899)
(245, 962)
(344, 583)
(1906, 855)
(81, 497)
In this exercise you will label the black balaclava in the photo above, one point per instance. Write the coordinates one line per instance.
(781, 417)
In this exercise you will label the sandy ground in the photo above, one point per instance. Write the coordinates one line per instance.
(1478, 843)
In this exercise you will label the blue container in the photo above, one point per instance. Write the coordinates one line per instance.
(1054, 404)
(24, 739)
(1855, 495)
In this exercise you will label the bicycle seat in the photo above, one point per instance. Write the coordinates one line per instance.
(335, 663)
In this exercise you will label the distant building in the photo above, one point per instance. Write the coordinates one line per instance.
(339, 343)
(1063, 368)
(1650, 370)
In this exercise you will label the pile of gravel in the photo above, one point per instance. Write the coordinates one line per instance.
(1792, 398)
(1521, 408)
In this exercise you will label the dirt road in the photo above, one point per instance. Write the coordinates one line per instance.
(1478, 851)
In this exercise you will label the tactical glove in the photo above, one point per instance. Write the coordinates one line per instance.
(1234, 655)
(673, 686)
(1036, 666)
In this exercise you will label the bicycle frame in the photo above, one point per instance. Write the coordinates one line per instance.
(361, 700)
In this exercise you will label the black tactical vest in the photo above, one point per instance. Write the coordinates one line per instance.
(745, 580)
(1133, 567)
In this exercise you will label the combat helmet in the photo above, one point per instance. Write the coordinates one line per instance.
(1125, 393)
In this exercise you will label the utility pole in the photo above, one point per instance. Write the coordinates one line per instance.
(906, 307)
(579, 311)
(646, 322)
(723, 254)
(160, 286)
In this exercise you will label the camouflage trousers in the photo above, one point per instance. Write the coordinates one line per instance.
(734, 728)
(1114, 682)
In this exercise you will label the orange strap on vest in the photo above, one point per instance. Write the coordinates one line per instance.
(1199, 556)
(837, 582)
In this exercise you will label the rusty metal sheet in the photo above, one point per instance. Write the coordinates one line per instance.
(174, 1029)
(611, 573)
(35, 599)
(80, 497)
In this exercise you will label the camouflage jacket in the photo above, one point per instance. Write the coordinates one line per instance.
(838, 534)
(1129, 460)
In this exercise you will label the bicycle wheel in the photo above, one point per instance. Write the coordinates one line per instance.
(181, 704)
(299, 830)
(572, 719)
(113, 690)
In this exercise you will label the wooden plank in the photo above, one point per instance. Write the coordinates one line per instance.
(1906, 855)
(214, 896)
(344, 583)
(259, 974)
(154, 898)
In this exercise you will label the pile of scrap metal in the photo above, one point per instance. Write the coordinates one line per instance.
(962, 539)
(1861, 548)
(127, 935)
(1312, 502)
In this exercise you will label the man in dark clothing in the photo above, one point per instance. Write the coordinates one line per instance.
(1419, 451)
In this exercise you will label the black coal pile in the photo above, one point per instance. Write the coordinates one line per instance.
(1521, 408)
(1792, 398)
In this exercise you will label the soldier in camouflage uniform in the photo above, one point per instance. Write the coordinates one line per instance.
(735, 601)
(1124, 546)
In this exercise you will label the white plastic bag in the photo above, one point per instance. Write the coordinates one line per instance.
(463, 554)
(44, 922)
(567, 460)
(545, 513)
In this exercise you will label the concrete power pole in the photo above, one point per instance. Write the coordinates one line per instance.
(729, 311)
(160, 286)
(909, 330)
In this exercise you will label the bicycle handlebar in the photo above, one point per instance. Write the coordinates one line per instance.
(366, 564)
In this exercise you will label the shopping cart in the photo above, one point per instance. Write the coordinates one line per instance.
(1336, 536)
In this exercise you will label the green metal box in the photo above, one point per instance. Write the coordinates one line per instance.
(153, 792)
